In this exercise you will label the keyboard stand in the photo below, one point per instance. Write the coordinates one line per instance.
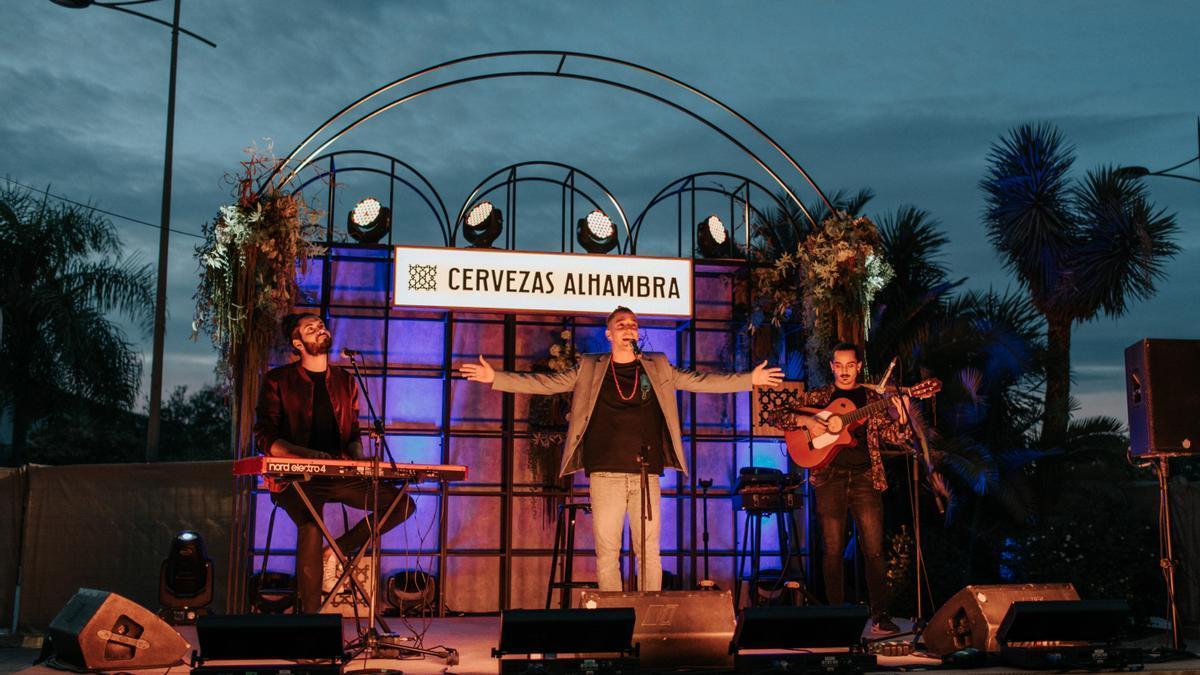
(349, 565)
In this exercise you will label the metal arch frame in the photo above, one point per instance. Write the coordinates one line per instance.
(557, 72)
(442, 217)
(687, 184)
(567, 184)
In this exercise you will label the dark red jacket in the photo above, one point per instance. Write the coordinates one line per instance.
(285, 404)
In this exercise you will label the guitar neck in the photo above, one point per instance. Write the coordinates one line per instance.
(865, 411)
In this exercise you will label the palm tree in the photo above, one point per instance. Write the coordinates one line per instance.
(912, 245)
(1079, 249)
(61, 277)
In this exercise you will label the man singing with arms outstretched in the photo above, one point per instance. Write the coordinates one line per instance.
(309, 409)
(623, 413)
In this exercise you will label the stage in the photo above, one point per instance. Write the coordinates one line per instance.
(474, 638)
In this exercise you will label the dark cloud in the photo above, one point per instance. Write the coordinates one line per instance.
(904, 98)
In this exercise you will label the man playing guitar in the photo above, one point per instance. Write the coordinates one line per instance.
(853, 478)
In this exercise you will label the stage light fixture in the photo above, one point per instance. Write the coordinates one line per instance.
(369, 221)
(483, 224)
(185, 581)
(596, 233)
(272, 592)
(411, 592)
(713, 238)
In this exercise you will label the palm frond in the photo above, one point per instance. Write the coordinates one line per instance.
(1127, 245)
(124, 286)
(1028, 215)
(913, 243)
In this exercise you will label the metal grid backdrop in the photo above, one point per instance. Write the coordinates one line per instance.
(484, 540)
(489, 540)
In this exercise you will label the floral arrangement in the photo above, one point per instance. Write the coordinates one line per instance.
(829, 280)
(249, 260)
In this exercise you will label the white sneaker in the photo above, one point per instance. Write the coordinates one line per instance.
(329, 574)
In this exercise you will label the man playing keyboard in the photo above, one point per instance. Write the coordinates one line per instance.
(309, 409)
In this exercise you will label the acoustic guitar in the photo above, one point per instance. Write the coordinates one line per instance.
(822, 432)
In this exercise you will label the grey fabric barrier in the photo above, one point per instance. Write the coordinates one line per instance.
(1185, 533)
(12, 501)
(109, 526)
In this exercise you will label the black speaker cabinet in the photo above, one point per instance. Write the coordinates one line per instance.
(675, 628)
(1163, 398)
(565, 631)
(98, 630)
(235, 637)
(973, 615)
(801, 627)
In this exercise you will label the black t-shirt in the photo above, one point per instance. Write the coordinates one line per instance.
(623, 422)
(854, 457)
(324, 435)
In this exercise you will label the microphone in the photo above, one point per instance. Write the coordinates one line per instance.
(881, 386)
(637, 349)
(351, 353)
(887, 375)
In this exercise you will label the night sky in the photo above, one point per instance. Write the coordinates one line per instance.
(901, 97)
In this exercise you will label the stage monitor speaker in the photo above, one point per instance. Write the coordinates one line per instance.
(801, 627)
(98, 630)
(565, 631)
(675, 629)
(973, 615)
(1162, 397)
(237, 637)
(1051, 621)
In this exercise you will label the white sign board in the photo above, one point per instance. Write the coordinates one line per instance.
(560, 283)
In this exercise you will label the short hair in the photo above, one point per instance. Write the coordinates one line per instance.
(847, 347)
(621, 309)
(291, 324)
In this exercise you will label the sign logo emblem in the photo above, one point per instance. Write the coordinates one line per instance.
(422, 277)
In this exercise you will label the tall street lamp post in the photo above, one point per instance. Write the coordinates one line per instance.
(160, 301)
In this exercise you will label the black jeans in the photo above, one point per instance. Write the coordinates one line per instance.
(838, 491)
(354, 492)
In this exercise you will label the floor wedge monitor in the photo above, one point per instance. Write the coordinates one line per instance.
(99, 630)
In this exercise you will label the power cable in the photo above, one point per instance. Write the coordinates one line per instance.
(100, 210)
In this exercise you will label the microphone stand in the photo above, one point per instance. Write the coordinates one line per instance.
(706, 584)
(647, 516)
(915, 504)
(373, 643)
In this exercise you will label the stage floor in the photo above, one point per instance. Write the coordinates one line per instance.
(474, 638)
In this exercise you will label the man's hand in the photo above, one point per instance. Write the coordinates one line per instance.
(762, 376)
(900, 403)
(478, 373)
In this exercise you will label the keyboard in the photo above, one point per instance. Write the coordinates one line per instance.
(296, 467)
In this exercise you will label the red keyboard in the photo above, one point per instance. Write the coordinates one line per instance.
(296, 467)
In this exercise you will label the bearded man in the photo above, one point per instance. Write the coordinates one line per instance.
(309, 409)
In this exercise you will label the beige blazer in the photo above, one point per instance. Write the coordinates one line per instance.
(585, 380)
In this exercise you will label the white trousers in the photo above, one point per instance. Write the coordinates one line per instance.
(614, 495)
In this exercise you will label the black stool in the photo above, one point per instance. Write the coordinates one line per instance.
(564, 544)
(792, 557)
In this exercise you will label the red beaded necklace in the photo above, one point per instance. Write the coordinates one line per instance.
(633, 391)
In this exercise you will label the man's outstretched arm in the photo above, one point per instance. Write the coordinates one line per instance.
(723, 383)
(520, 383)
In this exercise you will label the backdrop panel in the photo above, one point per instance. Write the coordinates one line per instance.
(12, 500)
(109, 526)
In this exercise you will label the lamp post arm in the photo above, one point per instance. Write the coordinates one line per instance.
(119, 8)
(1164, 174)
